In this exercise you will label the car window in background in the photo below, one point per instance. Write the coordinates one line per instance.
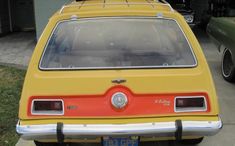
(117, 43)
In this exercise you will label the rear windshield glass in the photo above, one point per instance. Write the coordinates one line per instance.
(117, 43)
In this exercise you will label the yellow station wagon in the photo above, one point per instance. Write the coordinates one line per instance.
(117, 72)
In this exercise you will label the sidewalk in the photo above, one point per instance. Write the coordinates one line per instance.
(16, 49)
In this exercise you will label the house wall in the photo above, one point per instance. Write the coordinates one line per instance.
(43, 10)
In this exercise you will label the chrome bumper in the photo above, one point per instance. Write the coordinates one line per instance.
(159, 129)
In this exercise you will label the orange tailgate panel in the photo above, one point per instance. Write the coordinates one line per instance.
(101, 106)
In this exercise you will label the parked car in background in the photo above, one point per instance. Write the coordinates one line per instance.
(222, 32)
(184, 8)
(117, 72)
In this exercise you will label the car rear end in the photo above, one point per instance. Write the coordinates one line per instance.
(111, 74)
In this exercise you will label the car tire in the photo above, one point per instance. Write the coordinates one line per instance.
(191, 141)
(227, 66)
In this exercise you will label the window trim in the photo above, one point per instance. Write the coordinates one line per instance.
(118, 67)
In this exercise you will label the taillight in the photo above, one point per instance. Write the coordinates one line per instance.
(190, 104)
(47, 107)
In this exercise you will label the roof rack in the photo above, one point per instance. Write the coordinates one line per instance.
(165, 2)
(162, 1)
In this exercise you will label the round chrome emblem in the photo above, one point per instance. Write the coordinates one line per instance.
(119, 100)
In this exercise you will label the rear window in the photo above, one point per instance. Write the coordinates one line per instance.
(117, 43)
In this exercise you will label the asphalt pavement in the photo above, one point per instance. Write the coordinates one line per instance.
(226, 94)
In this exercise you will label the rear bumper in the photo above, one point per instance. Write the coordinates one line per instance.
(176, 129)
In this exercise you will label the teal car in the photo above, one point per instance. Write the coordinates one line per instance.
(222, 31)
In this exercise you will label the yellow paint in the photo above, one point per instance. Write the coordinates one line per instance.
(83, 82)
(116, 121)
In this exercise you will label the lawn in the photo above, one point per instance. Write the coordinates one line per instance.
(11, 81)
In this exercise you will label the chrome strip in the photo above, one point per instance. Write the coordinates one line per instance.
(118, 67)
(192, 128)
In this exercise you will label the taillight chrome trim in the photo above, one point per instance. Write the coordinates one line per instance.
(205, 108)
(47, 113)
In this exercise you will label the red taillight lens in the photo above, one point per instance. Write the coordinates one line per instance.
(188, 104)
(47, 107)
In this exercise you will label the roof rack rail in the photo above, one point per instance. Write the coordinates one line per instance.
(165, 2)
(162, 1)
(65, 5)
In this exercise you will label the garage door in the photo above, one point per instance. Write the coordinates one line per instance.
(23, 14)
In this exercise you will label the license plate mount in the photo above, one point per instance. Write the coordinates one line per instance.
(120, 141)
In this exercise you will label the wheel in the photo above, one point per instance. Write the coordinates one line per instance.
(227, 67)
(37, 143)
(191, 141)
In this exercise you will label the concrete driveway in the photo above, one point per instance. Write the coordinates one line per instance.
(225, 91)
(16, 49)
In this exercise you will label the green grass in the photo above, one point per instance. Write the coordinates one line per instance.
(11, 81)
